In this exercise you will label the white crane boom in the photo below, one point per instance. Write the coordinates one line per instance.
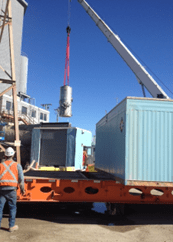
(143, 77)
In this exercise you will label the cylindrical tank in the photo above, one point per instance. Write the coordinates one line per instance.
(23, 74)
(65, 101)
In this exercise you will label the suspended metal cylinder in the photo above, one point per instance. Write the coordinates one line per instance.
(65, 101)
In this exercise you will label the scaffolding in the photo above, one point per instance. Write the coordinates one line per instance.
(6, 20)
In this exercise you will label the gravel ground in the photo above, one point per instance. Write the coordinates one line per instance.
(77, 223)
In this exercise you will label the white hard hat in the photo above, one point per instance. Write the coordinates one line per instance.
(9, 151)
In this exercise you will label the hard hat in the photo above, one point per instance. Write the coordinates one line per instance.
(9, 151)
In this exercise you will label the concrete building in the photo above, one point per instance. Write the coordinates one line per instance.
(27, 113)
(18, 10)
(21, 66)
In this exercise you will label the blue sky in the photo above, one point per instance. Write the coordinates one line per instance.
(98, 76)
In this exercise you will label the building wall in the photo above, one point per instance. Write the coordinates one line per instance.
(21, 63)
(6, 105)
(17, 20)
(18, 14)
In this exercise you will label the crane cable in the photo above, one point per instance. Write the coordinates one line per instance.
(67, 59)
(69, 12)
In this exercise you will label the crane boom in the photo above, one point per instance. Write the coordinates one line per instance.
(143, 77)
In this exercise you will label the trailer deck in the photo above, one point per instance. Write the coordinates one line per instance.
(79, 175)
(48, 186)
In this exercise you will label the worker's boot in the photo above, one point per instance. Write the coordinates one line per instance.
(14, 228)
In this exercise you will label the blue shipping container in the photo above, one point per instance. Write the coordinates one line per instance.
(134, 141)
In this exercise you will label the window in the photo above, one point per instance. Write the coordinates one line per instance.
(41, 115)
(8, 105)
(33, 114)
(45, 117)
(24, 110)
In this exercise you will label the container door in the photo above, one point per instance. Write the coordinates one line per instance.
(53, 148)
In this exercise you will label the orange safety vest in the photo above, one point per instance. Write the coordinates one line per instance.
(8, 173)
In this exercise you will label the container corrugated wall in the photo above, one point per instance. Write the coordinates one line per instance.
(149, 140)
(110, 142)
(134, 141)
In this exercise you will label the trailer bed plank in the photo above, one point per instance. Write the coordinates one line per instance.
(68, 175)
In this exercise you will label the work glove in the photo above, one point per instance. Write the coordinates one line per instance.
(22, 190)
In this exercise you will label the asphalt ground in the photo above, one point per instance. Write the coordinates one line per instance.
(41, 222)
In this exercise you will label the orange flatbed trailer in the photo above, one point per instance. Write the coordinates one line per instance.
(48, 186)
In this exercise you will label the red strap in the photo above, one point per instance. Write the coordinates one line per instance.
(67, 66)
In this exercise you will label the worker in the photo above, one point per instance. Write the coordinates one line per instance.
(85, 156)
(11, 174)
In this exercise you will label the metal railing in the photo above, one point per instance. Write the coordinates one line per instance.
(9, 114)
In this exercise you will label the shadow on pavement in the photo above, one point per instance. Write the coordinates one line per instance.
(5, 229)
(83, 213)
